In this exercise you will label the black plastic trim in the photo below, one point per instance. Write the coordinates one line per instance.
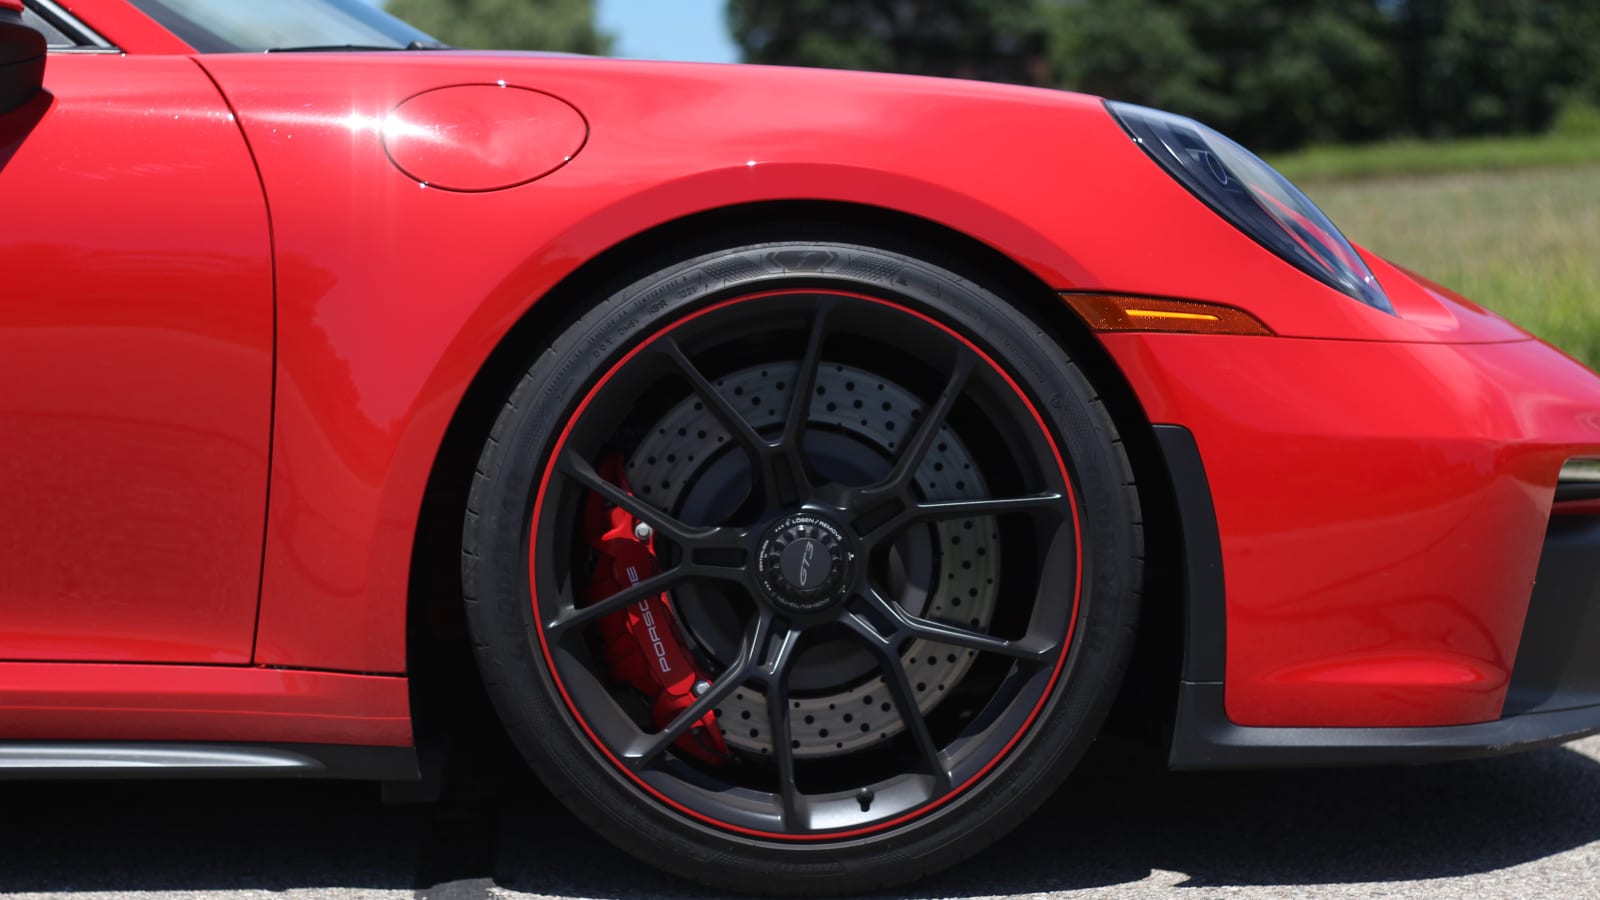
(1205, 608)
(1558, 657)
(22, 53)
(70, 27)
(1576, 491)
(1205, 739)
(62, 760)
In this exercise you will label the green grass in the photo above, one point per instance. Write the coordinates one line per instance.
(1523, 243)
(1431, 158)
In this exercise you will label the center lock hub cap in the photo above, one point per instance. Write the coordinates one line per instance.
(804, 564)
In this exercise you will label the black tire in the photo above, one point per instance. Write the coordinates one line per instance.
(1028, 731)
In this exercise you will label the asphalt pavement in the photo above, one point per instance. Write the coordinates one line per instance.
(1521, 826)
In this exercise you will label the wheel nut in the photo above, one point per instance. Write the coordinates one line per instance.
(642, 531)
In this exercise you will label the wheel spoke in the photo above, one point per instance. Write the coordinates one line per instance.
(777, 684)
(743, 668)
(1046, 501)
(769, 464)
(738, 426)
(577, 468)
(715, 538)
(896, 487)
(805, 382)
(1025, 650)
(877, 532)
(868, 631)
(929, 426)
(778, 662)
(649, 587)
(905, 700)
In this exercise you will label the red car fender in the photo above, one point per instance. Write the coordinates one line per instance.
(392, 294)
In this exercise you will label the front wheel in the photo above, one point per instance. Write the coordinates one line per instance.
(803, 568)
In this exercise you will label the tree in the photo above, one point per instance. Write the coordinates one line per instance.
(1139, 51)
(1272, 75)
(1316, 70)
(564, 25)
(994, 40)
(1496, 66)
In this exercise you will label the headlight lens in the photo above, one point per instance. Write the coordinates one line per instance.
(1253, 197)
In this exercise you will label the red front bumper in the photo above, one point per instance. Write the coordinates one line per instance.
(1381, 508)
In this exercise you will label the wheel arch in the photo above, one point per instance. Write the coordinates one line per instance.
(437, 657)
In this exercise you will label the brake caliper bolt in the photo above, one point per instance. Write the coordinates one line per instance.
(642, 531)
(700, 687)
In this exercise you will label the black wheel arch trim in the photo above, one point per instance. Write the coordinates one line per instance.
(1205, 645)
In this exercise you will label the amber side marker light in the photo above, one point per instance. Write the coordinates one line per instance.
(1116, 312)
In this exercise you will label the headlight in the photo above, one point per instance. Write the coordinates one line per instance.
(1252, 196)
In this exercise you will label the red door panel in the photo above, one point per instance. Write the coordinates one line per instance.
(135, 368)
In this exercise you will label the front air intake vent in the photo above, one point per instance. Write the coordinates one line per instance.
(1580, 480)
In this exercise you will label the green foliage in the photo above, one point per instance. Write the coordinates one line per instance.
(1272, 73)
(1138, 50)
(565, 25)
(994, 40)
(1494, 66)
(1520, 243)
(1413, 157)
(1317, 72)
(1578, 119)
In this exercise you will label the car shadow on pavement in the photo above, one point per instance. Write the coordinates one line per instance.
(1117, 820)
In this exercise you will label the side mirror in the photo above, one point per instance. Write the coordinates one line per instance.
(22, 52)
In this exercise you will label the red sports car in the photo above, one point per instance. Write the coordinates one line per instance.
(810, 460)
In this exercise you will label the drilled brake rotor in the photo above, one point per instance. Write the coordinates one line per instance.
(960, 577)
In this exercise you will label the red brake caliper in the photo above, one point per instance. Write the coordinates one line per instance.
(643, 647)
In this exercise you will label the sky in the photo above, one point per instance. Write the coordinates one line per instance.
(692, 30)
(680, 29)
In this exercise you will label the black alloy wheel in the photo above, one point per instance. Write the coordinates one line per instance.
(896, 536)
